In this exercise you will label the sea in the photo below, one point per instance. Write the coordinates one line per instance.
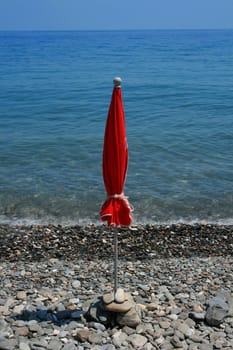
(55, 91)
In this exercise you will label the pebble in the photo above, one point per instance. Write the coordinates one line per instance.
(44, 295)
(76, 284)
(217, 310)
(116, 307)
(21, 295)
(24, 346)
(119, 338)
(119, 296)
(137, 340)
(130, 318)
(108, 298)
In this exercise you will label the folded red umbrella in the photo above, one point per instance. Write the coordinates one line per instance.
(116, 210)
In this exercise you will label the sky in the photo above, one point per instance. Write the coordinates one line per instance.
(115, 14)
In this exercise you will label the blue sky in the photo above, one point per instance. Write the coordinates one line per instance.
(118, 14)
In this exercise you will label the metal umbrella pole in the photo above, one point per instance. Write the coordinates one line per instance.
(115, 260)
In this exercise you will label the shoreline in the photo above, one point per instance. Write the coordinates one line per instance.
(91, 242)
(51, 274)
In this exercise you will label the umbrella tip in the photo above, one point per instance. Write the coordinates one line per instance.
(117, 82)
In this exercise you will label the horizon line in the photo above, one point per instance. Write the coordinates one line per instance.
(111, 30)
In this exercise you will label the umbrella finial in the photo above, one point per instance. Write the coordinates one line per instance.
(117, 82)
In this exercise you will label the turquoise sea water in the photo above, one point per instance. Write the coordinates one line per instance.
(55, 90)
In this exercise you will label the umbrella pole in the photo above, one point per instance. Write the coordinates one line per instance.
(115, 259)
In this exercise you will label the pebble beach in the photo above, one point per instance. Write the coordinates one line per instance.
(51, 274)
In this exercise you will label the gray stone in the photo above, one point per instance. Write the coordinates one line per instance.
(55, 344)
(46, 293)
(137, 340)
(60, 307)
(18, 309)
(76, 284)
(179, 334)
(215, 336)
(39, 342)
(25, 346)
(205, 347)
(82, 335)
(69, 346)
(21, 295)
(8, 344)
(151, 307)
(128, 330)
(196, 338)
(98, 326)
(175, 341)
(95, 338)
(164, 324)
(148, 346)
(216, 311)
(164, 291)
(193, 346)
(131, 318)
(73, 325)
(228, 297)
(63, 334)
(35, 327)
(184, 328)
(22, 331)
(74, 301)
(108, 347)
(144, 287)
(197, 316)
(118, 338)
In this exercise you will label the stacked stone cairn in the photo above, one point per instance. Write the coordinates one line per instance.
(116, 308)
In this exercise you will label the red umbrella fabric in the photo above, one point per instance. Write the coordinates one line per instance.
(116, 209)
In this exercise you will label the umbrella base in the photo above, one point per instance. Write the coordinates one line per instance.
(111, 312)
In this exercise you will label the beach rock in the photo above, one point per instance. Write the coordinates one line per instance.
(95, 338)
(151, 307)
(22, 331)
(164, 324)
(21, 295)
(184, 328)
(197, 316)
(130, 318)
(25, 346)
(106, 347)
(8, 344)
(76, 284)
(18, 309)
(69, 346)
(38, 342)
(176, 342)
(82, 335)
(118, 338)
(216, 312)
(108, 298)
(55, 344)
(137, 340)
(228, 297)
(119, 308)
(119, 296)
